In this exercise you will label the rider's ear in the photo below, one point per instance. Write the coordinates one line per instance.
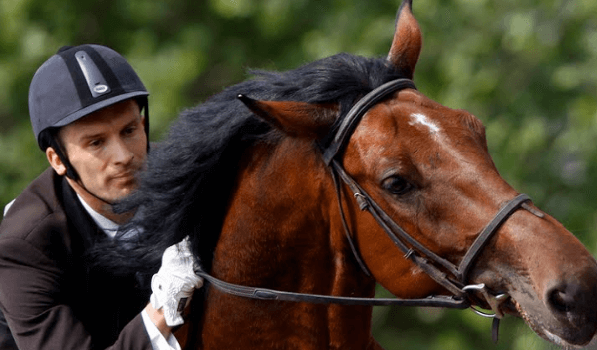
(55, 161)
(300, 119)
(407, 42)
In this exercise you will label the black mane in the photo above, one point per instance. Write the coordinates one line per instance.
(186, 187)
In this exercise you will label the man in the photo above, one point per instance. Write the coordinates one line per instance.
(85, 106)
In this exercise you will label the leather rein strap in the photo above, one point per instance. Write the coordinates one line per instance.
(412, 249)
(271, 294)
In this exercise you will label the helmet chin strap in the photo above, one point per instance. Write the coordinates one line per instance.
(84, 188)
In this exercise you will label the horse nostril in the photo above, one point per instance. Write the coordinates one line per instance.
(566, 298)
(559, 301)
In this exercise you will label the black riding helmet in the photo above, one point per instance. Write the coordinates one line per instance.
(75, 82)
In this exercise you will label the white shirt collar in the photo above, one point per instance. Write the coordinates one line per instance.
(107, 225)
(8, 206)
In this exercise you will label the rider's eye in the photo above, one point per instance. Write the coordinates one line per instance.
(397, 185)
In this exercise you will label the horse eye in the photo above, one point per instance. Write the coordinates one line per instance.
(396, 185)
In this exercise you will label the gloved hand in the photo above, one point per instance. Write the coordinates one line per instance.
(174, 284)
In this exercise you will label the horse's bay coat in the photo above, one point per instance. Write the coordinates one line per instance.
(243, 176)
(50, 299)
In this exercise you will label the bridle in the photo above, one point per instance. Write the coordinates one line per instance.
(412, 249)
(432, 264)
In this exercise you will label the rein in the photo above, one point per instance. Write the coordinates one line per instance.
(413, 250)
(271, 294)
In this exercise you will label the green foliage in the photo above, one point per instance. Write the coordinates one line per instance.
(527, 68)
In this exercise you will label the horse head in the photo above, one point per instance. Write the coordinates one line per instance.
(428, 167)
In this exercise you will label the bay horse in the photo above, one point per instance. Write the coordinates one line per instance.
(332, 177)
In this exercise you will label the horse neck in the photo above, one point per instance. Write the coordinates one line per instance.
(282, 231)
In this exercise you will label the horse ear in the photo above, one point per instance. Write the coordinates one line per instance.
(300, 119)
(407, 43)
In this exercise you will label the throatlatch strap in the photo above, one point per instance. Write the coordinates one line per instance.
(353, 247)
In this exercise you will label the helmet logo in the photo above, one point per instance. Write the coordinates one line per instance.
(100, 89)
(95, 79)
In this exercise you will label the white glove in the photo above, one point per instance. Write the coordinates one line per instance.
(173, 285)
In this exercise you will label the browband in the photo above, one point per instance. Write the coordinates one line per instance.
(351, 120)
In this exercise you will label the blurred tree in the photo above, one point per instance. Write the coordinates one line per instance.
(527, 68)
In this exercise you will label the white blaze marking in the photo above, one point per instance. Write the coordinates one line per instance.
(421, 119)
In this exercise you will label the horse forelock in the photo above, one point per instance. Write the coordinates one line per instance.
(189, 176)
